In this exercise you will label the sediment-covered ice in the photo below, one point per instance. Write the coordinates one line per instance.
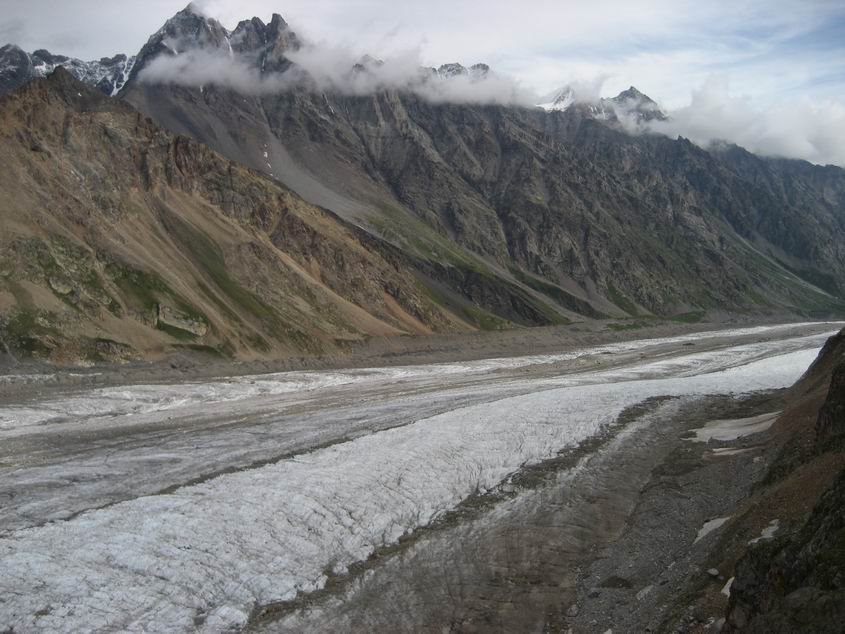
(204, 555)
(122, 401)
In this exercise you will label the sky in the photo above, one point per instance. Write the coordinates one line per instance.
(765, 57)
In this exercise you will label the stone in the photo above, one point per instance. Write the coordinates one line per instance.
(176, 319)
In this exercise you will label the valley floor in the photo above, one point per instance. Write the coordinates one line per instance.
(517, 493)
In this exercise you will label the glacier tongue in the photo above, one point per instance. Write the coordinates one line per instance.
(205, 555)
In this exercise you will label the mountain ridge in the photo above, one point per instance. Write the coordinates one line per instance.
(120, 240)
(503, 215)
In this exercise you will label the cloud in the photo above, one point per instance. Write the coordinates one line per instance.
(12, 32)
(664, 47)
(334, 69)
(198, 68)
(798, 128)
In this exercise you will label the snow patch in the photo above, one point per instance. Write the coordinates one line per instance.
(767, 533)
(709, 527)
(734, 429)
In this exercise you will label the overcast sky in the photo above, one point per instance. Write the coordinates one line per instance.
(767, 49)
(764, 56)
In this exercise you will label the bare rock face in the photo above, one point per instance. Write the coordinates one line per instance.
(582, 218)
(172, 318)
(118, 239)
(796, 583)
(108, 75)
(830, 427)
(528, 215)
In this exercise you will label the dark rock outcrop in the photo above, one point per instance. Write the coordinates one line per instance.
(796, 583)
(108, 75)
(580, 216)
(112, 229)
(830, 427)
(625, 224)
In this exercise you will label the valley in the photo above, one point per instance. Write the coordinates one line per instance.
(202, 496)
(301, 335)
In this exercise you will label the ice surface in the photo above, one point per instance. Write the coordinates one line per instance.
(709, 527)
(109, 402)
(767, 533)
(204, 555)
(735, 428)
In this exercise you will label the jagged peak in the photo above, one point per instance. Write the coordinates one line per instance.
(193, 9)
(559, 100)
(62, 83)
(451, 69)
(63, 76)
(277, 21)
(190, 18)
(633, 94)
(253, 33)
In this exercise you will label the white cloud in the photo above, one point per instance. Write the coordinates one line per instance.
(788, 56)
(665, 47)
(327, 68)
(804, 129)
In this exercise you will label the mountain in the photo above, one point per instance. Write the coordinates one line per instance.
(796, 582)
(563, 203)
(558, 101)
(119, 240)
(17, 67)
(630, 105)
(492, 214)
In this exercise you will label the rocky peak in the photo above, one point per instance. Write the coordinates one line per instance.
(277, 24)
(367, 64)
(62, 87)
(632, 93)
(190, 29)
(476, 71)
(559, 100)
(187, 30)
(629, 108)
(633, 103)
(452, 70)
(250, 36)
(18, 67)
(15, 68)
(479, 71)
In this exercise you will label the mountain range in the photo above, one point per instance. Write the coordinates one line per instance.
(213, 191)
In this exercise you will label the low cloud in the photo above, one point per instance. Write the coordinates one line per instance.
(197, 68)
(800, 129)
(334, 69)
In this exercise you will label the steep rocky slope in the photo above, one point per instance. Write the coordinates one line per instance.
(108, 75)
(796, 582)
(561, 203)
(506, 215)
(118, 239)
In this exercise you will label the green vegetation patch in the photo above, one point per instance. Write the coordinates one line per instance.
(218, 352)
(144, 290)
(634, 325)
(620, 300)
(562, 297)
(209, 257)
(26, 331)
(693, 317)
(462, 307)
(176, 333)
